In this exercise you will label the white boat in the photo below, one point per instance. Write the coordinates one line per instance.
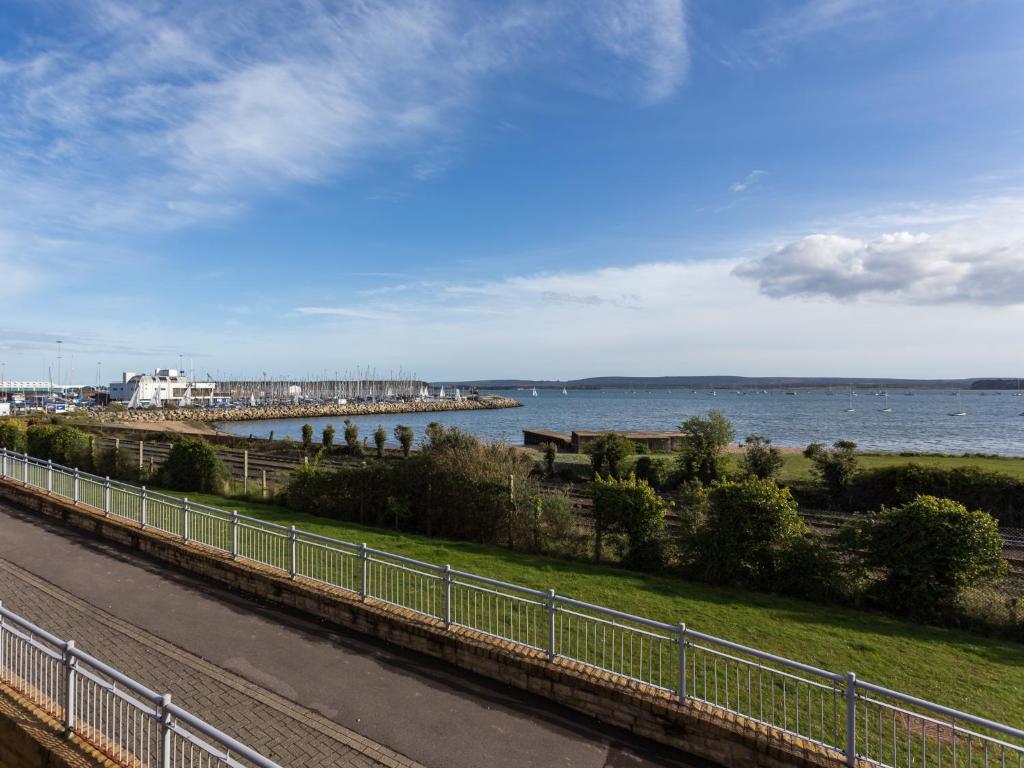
(851, 409)
(565, 391)
(440, 395)
(888, 408)
(534, 393)
(959, 411)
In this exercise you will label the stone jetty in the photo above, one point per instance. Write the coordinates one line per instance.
(309, 411)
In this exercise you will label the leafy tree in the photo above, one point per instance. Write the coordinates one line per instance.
(633, 506)
(380, 437)
(704, 440)
(307, 437)
(39, 440)
(928, 551)
(193, 465)
(71, 447)
(610, 449)
(328, 436)
(404, 436)
(550, 451)
(761, 459)
(747, 530)
(352, 438)
(12, 435)
(834, 468)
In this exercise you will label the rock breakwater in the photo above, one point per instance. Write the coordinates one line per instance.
(259, 413)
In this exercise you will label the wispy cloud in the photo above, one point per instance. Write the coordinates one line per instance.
(746, 182)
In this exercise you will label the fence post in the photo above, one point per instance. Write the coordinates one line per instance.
(70, 662)
(291, 559)
(551, 625)
(362, 580)
(263, 483)
(234, 534)
(49, 476)
(165, 731)
(2, 642)
(447, 596)
(851, 719)
(4, 463)
(75, 488)
(140, 456)
(142, 507)
(184, 520)
(682, 662)
(106, 496)
(245, 473)
(24, 469)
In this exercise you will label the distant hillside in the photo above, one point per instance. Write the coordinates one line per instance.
(725, 382)
(996, 384)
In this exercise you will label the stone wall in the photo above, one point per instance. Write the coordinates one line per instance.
(304, 411)
(701, 730)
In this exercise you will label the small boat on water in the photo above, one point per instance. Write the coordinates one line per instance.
(887, 408)
(534, 393)
(851, 409)
(565, 391)
(959, 411)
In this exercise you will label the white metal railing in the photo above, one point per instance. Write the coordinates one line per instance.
(842, 714)
(120, 717)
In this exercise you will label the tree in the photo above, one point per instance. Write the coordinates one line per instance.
(352, 438)
(193, 465)
(12, 435)
(633, 506)
(404, 436)
(928, 552)
(550, 451)
(747, 530)
(834, 468)
(761, 459)
(704, 440)
(328, 436)
(71, 447)
(380, 437)
(307, 437)
(609, 449)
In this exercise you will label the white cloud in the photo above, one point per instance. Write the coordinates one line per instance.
(979, 259)
(746, 182)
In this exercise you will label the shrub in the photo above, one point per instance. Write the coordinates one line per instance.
(71, 447)
(834, 469)
(39, 440)
(550, 451)
(352, 438)
(328, 436)
(633, 506)
(761, 459)
(701, 455)
(609, 450)
(193, 465)
(380, 438)
(404, 436)
(927, 552)
(307, 437)
(12, 436)
(748, 528)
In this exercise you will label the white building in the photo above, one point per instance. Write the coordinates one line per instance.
(165, 386)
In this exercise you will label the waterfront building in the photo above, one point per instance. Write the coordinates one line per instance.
(165, 386)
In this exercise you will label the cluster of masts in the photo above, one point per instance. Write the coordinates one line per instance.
(364, 384)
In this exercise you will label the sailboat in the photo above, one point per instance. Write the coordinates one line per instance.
(851, 409)
(565, 391)
(440, 395)
(959, 411)
(534, 393)
(888, 408)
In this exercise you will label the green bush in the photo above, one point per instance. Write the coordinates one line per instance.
(1002, 496)
(747, 531)
(633, 506)
(380, 439)
(193, 465)
(352, 438)
(550, 452)
(12, 435)
(761, 459)
(404, 435)
(834, 469)
(307, 437)
(71, 447)
(700, 459)
(609, 450)
(327, 439)
(39, 440)
(927, 552)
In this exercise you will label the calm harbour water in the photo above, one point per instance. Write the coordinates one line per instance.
(919, 420)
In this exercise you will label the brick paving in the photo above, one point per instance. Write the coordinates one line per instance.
(274, 726)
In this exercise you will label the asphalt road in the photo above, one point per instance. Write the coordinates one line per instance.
(424, 709)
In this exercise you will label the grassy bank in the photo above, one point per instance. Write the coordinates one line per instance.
(959, 669)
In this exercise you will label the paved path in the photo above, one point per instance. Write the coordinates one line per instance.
(242, 666)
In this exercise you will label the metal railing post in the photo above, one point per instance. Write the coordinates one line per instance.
(75, 488)
(552, 653)
(447, 596)
(70, 662)
(2, 659)
(184, 520)
(362, 580)
(682, 662)
(291, 558)
(4, 470)
(106, 496)
(49, 476)
(165, 731)
(851, 719)
(142, 507)
(234, 534)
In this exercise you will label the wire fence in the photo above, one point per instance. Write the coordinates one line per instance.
(123, 719)
(842, 714)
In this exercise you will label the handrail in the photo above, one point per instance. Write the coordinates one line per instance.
(846, 686)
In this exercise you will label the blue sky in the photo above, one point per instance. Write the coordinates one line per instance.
(530, 189)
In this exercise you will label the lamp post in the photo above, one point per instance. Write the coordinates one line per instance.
(59, 342)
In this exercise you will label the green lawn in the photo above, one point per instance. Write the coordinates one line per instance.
(958, 669)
